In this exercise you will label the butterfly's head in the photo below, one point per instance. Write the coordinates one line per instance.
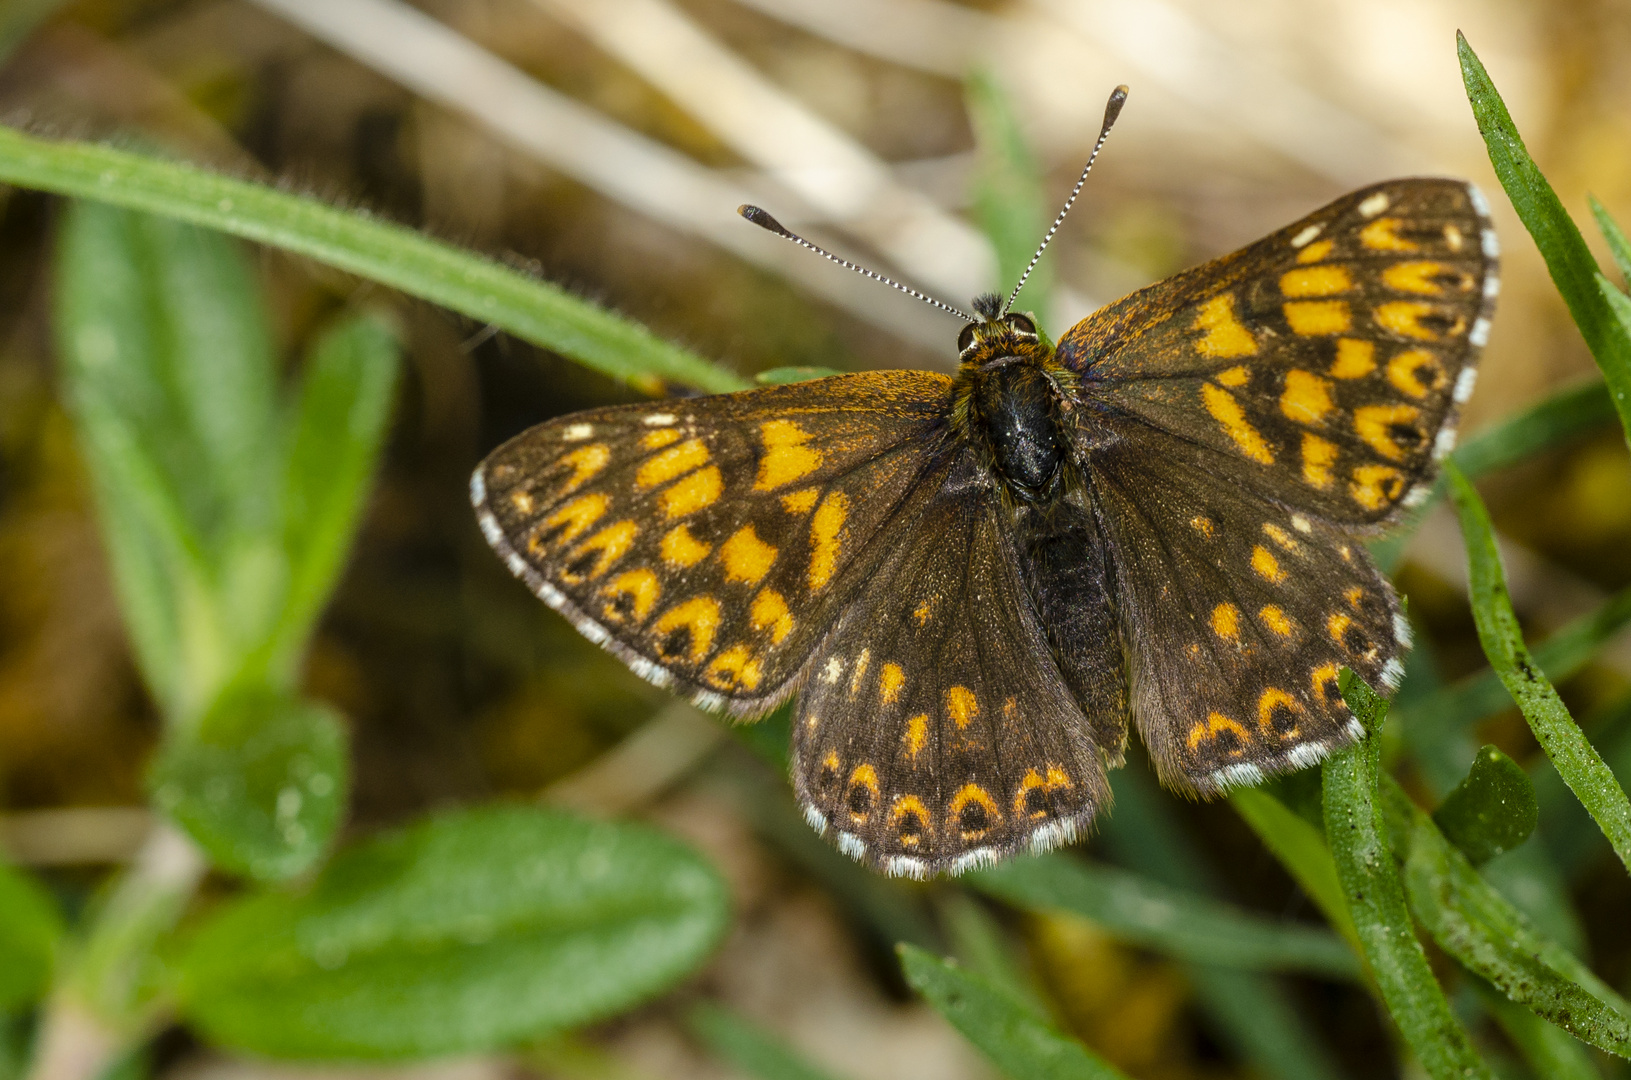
(996, 335)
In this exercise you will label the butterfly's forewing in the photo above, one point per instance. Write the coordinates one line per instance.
(1238, 615)
(1324, 364)
(710, 542)
(934, 732)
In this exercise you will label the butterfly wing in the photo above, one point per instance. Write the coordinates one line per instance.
(1238, 614)
(1322, 365)
(935, 732)
(710, 542)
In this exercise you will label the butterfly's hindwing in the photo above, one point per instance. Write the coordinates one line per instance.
(934, 732)
(710, 542)
(1238, 615)
(1324, 364)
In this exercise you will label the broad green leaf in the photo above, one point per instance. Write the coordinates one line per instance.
(1619, 247)
(468, 932)
(1492, 810)
(339, 424)
(1473, 923)
(1569, 261)
(1147, 913)
(1008, 199)
(782, 375)
(1363, 850)
(260, 784)
(480, 288)
(1577, 762)
(1301, 850)
(748, 1048)
(30, 930)
(1021, 1043)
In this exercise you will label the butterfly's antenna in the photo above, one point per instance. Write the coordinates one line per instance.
(765, 221)
(1112, 109)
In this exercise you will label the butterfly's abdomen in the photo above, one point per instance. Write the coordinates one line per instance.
(1013, 414)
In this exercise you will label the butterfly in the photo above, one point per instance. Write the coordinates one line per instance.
(977, 583)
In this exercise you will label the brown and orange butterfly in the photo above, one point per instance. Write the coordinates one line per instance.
(975, 582)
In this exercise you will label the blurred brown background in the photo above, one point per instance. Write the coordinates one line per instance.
(605, 144)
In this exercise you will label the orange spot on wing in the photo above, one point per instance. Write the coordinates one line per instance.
(799, 502)
(696, 492)
(1315, 281)
(585, 461)
(1307, 397)
(1232, 418)
(1404, 317)
(746, 557)
(1382, 235)
(1416, 277)
(909, 806)
(680, 548)
(861, 663)
(1226, 622)
(640, 585)
(1275, 619)
(1235, 376)
(1355, 359)
(1204, 526)
(974, 793)
(1272, 699)
(1375, 424)
(699, 615)
(1266, 565)
(786, 458)
(571, 519)
(613, 542)
(826, 538)
(1279, 536)
(1318, 318)
(863, 776)
(673, 462)
(916, 735)
(962, 705)
(1216, 724)
(1315, 252)
(1375, 486)
(1318, 457)
(1223, 335)
(1405, 373)
(769, 612)
(1322, 677)
(1337, 625)
(656, 440)
(890, 681)
(735, 669)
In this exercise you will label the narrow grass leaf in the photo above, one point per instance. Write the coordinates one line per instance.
(30, 930)
(260, 783)
(1363, 850)
(749, 1048)
(1301, 849)
(1492, 810)
(1569, 261)
(1577, 762)
(338, 427)
(352, 241)
(1476, 925)
(469, 932)
(1135, 909)
(1021, 1043)
(1619, 247)
(783, 375)
(1551, 1052)
(980, 943)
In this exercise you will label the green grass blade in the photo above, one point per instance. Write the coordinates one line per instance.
(1618, 245)
(1363, 850)
(1563, 416)
(1302, 851)
(1021, 1043)
(1551, 1052)
(1569, 261)
(1473, 923)
(481, 288)
(1577, 762)
(749, 1048)
(1134, 909)
(1569, 834)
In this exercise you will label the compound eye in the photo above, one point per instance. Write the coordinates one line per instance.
(1022, 323)
(965, 339)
